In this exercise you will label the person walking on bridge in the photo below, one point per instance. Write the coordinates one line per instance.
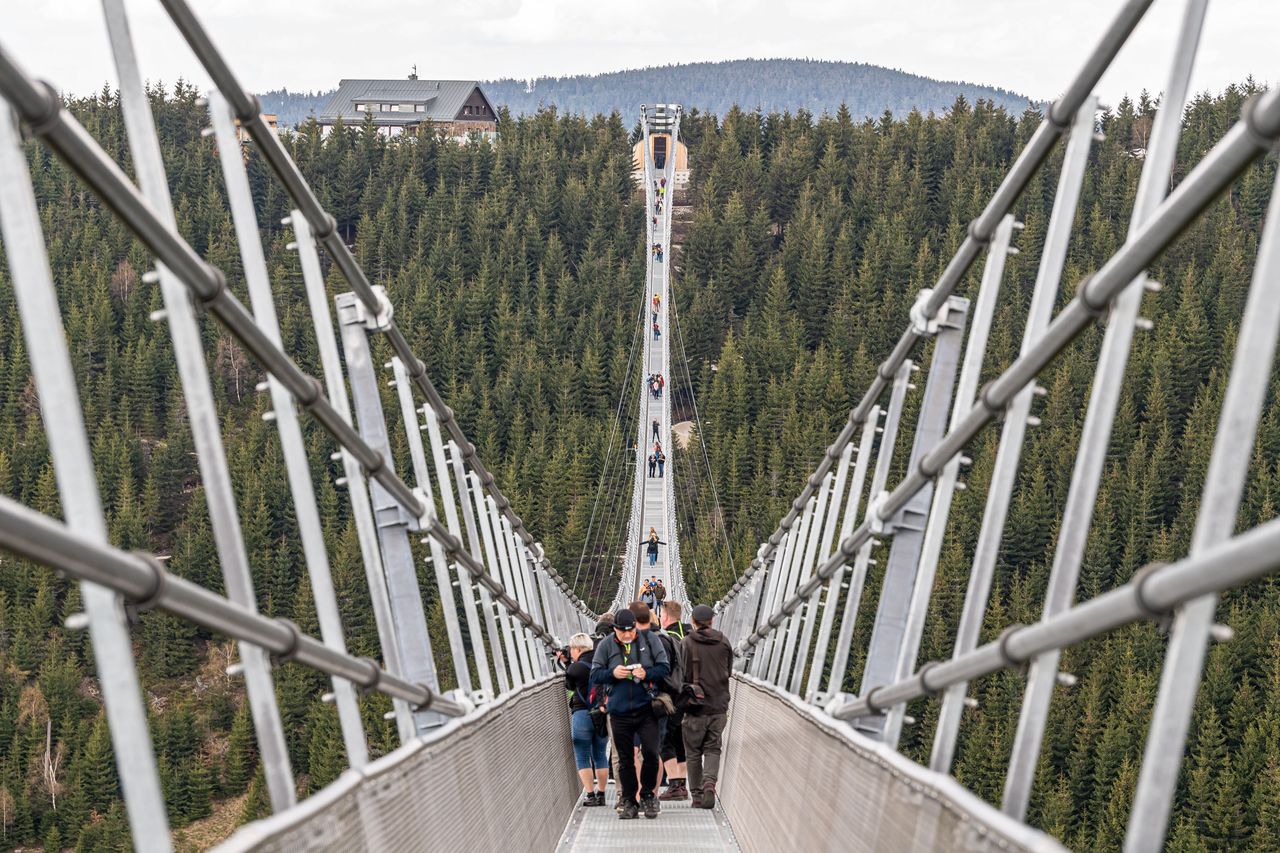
(589, 748)
(627, 665)
(673, 755)
(662, 464)
(708, 659)
(656, 426)
(651, 544)
(653, 463)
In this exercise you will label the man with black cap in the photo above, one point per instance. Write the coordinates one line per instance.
(708, 660)
(627, 665)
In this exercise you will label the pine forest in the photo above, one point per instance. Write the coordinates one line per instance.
(516, 269)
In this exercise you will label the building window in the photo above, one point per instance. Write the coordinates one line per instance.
(480, 110)
(466, 111)
(395, 108)
(419, 108)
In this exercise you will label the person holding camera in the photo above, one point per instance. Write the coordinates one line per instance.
(590, 747)
(627, 665)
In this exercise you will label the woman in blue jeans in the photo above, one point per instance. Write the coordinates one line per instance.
(589, 749)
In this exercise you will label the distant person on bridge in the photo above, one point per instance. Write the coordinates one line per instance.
(662, 463)
(673, 756)
(653, 541)
(627, 665)
(590, 749)
(708, 661)
(653, 463)
(657, 303)
(657, 424)
(656, 331)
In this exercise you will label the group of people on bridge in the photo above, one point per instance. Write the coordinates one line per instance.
(657, 459)
(656, 384)
(657, 698)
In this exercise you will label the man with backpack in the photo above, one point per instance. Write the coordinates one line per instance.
(659, 596)
(668, 686)
(628, 666)
(708, 661)
(673, 757)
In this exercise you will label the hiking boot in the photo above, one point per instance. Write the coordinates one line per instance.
(695, 799)
(591, 800)
(675, 791)
(708, 796)
(629, 811)
(650, 806)
(599, 798)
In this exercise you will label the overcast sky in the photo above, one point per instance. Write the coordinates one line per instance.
(1029, 46)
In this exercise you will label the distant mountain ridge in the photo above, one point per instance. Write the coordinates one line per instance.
(770, 84)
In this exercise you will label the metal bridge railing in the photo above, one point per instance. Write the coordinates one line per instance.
(770, 611)
(515, 605)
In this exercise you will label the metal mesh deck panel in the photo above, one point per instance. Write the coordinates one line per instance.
(500, 779)
(679, 827)
(794, 779)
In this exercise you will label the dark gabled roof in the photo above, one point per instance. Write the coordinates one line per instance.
(443, 99)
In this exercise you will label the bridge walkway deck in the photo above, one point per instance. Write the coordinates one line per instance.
(678, 827)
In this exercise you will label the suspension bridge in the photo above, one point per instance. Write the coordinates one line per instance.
(850, 535)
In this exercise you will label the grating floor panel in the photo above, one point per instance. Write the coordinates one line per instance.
(679, 827)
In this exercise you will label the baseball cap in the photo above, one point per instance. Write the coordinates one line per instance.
(624, 619)
(703, 614)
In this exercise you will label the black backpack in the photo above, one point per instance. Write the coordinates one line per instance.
(674, 680)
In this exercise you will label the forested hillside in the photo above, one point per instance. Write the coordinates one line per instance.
(808, 245)
(769, 85)
(515, 271)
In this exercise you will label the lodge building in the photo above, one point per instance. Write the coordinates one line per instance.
(454, 108)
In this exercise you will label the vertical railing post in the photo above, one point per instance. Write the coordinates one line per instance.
(774, 571)
(353, 474)
(780, 636)
(1095, 435)
(818, 600)
(73, 469)
(495, 562)
(1233, 449)
(888, 633)
(821, 501)
(294, 450)
(879, 478)
(393, 521)
(144, 145)
(438, 561)
(869, 427)
(502, 543)
(485, 604)
(466, 584)
(945, 484)
(1004, 474)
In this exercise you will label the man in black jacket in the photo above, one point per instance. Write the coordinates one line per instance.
(628, 665)
(708, 662)
(673, 742)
